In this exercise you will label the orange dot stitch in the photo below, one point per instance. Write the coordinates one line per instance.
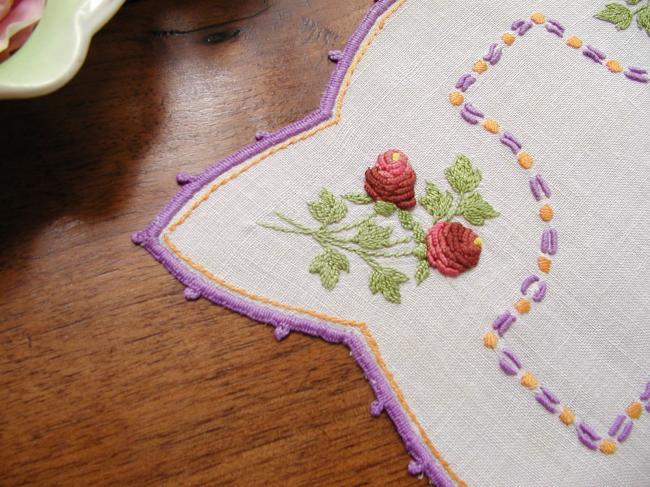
(546, 213)
(574, 42)
(544, 264)
(614, 66)
(634, 410)
(508, 39)
(480, 66)
(490, 340)
(525, 160)
(608, 447)
(491, 125)
(567, 416)
(538, 18)
(522, 306)
(528, 380)
(456, 98)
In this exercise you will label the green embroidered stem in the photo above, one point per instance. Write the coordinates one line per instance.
(342, 244)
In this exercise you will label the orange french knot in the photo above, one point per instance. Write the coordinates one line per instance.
(538, 18)
(634, 410)
(574, 42)
(546, 213)
(608, 447)
(490, 340)
(480, 66)
(525, 160)
(456, 98)
(544, 264)
(567, 416)
(528, 380)
(491, 125)
(614, 66)
(508, 39)
(522, 306)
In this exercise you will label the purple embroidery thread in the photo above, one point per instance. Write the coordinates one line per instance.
(182, 178)
(511, 355)
(529, 281)
(616, 425)
(335, 56)
(589, 431)
(543, 186)
(639, 76)
(535, 188)
(549, 241)
(540, 293)
(281, 332)
(465, 81)
(516, 24)
(471, 114)
(550, 395)
(645, 395)
(149, 240)
(543, 400)
(627, 429)
(506, 367)
(525, 27)
(553, 29)
(376, 408)
(594, 54)
(647, 407)
(261, 135)
(493, 55)
(586, 441)
(511, 141)
(503, 322)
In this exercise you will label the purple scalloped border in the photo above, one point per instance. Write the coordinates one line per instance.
(423, 460)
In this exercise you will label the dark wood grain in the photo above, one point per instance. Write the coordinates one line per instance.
(107, 375)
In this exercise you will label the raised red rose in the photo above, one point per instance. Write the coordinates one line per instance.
(392, 179)
(452, 248)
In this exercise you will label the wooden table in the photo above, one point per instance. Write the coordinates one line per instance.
(107, 375)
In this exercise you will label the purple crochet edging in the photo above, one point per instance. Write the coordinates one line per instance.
(197, 286)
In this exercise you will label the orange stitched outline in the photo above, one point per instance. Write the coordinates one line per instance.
(363, 327)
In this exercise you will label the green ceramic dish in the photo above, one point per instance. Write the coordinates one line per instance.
(57, 48)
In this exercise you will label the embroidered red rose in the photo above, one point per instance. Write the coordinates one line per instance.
(392, 179)
(452, 248)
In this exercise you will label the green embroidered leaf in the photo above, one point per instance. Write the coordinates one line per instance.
(385, 208)
(422, 272)
(411, 224)
(420, 251)
(643, 19)
(373, 236)
(435, 201)
(617, 14)
(329, 265)
(462, 176)
(632, 2)
(476, 210)
(386, 280)
(358, 198)
(328, 209)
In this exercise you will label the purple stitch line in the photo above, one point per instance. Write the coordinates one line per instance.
(468, 117)
(493, 55)
(586, 441)
(465, 81)
(503, 322)
(149, 240)
(549, 241)
(553, 29)
(471, 114)
(641, 78)
(645, 395)
(182, 178)
(473, 110)
(647, 407)
(540, 294)
(529, 281)
(517, 23)
(627, 429)
(525, 27)
(506, 367)
(594, 54)
(261, 135)
(543, 185)
(616, 425)
(637, 70)
(511, 355)
(556, 23)
(511, 141)
(550, 395)
(589, 431)
(543, 400)
(535, 188)
(335, 56)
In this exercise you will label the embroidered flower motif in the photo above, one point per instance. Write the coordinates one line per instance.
(452, 248)
(392, 179)
(448, 246)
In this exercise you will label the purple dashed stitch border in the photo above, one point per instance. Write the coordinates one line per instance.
(197, 286)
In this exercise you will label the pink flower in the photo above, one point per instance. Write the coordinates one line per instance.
(452, 248)
(392, 179)
(18, 18)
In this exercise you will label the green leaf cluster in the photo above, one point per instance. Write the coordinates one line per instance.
(328, 209)
(372, 236)
(329, 265)
(386, 280)
(621, 16)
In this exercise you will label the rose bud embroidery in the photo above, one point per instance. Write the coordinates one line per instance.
(392, 179)
(452, 248)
